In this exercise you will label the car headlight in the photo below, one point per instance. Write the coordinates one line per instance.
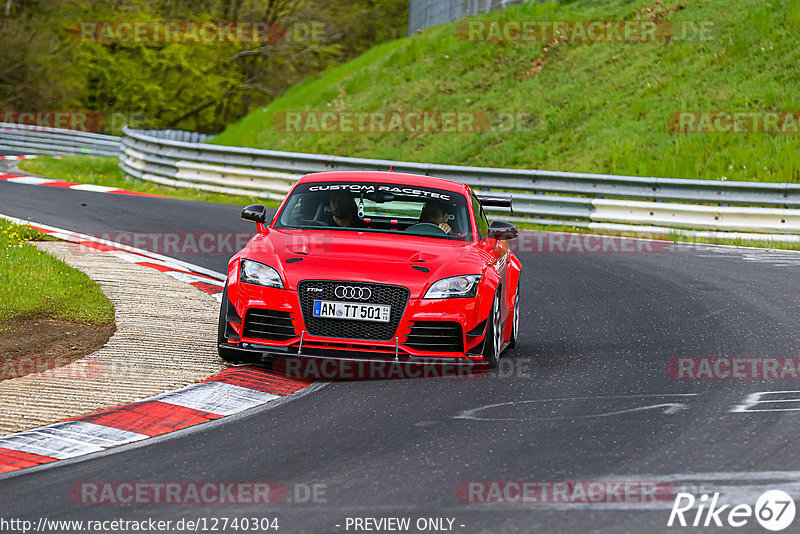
(260, 274)
(455, 287)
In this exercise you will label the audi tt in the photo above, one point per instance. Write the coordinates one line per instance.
(373, 266)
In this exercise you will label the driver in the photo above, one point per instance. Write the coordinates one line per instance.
(344, 212)
(435, 213)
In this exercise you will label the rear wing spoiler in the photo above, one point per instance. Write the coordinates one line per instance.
(496, 201)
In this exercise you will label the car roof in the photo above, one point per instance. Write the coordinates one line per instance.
(416, 180)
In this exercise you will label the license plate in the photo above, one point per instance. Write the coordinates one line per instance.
(354, 311)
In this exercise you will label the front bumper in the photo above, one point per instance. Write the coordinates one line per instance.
(469, 313)
(323, 364)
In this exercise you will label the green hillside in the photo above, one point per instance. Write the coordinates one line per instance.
(577, 106)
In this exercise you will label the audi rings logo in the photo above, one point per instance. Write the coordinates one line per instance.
(350, 292)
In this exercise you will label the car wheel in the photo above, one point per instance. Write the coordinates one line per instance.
(515, 324)
(223, 312)
(494, 334)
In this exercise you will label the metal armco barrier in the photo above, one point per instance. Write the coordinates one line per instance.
(26, 139)
(539, 196)
(182, 159)
(766, 220)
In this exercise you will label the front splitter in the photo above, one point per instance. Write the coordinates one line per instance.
(363, 367)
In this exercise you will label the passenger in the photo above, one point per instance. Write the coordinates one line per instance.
(434, 213)
(344, 212)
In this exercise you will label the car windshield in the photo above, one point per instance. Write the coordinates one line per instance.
(377, 207)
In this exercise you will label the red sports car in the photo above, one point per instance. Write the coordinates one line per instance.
(375, 266)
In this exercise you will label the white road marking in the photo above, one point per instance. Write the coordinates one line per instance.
(93, 433)
(191, 278)
(63, 236)
(762, 397)
(777, 257)
(44, 444)
(68, 439)
(132, 258)
(137, 258)
(94, 188)
(668, 407)
(216, 397)
(30, 180)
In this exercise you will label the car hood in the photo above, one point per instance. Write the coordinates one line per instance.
(364, 257)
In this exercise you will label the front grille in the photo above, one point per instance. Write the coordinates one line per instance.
(268, 324)
(436, 336)
(394, 296)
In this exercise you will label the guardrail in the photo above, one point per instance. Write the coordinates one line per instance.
(539, 196)
(182, 159)
(26, 139)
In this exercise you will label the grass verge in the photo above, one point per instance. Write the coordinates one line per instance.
(34, 284)
(600, 107)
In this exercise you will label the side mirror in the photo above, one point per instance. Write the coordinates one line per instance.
(256, 213)
(502, 230)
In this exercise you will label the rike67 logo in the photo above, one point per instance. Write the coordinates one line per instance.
(774, 510)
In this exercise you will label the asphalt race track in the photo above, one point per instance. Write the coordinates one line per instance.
(585, 396)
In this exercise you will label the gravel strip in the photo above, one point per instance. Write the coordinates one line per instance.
(165, 339)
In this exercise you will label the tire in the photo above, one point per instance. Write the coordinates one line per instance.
(226, 355)
(515, 322)
(494, 334)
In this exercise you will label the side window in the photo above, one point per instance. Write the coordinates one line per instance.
(480, 218)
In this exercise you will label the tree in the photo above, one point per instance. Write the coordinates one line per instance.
(195, 86)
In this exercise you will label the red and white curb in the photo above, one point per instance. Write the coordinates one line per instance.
(35, 180)
(206, 280)
(231, 391)
(18, 157)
